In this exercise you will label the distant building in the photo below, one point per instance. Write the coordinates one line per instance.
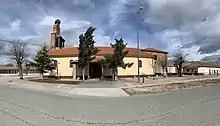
(196, 68)
(171, 70)
(206, 68)
(13, 70)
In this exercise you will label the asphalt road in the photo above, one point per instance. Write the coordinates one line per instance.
(191, 107)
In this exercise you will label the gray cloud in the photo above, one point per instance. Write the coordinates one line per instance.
(200, 18)
(163, 24)
(2, 48)
(213, 58)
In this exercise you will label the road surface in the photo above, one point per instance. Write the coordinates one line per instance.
(190, 107)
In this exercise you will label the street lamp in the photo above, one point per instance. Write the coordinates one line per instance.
(138, 44)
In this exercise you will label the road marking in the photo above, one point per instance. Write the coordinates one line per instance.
(59, 86)
(130, 85)
(68, 86)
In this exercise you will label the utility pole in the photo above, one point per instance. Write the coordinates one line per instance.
(138, 43)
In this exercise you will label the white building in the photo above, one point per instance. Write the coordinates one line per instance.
(205, 68)
(171, 70)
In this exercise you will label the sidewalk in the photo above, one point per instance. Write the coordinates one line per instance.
(65, 89)
(97, 88)
(132, 83)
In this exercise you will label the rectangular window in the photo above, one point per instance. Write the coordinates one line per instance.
(155, 57)
(56, 42)
(71, 63)
(140, 63)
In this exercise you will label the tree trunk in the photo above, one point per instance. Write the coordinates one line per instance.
(102, 77)
(26, 71)
(179, 72)
(180, 69)
(116, 74)
(163, 71)
(83, 73)
(88, 72)
(113, 74)
(41, 75)
(21, 72)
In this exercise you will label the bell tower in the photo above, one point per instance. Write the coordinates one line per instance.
(56, 40)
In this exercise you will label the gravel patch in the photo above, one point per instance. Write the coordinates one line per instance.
(170, 87)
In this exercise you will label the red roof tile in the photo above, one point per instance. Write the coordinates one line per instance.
(153, 50)
(202, 64)
(103, 51)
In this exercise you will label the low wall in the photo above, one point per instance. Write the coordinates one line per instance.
(174, 86)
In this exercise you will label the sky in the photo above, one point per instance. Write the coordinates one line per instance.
(191, 26)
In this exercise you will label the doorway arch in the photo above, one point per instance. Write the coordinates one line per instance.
(95, 70)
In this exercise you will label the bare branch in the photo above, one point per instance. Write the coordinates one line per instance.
(18, 52)
(179, 58)
(162, 62)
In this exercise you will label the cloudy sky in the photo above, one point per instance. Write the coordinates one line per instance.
(192, 26)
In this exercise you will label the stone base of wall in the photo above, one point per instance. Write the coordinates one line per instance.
(170, 87)
(57, 77)
(134, 76)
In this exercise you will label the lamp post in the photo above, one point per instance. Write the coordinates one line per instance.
(138, 44)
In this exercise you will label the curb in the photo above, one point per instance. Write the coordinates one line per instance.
(152, 85)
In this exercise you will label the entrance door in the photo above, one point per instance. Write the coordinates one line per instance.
(95, 70)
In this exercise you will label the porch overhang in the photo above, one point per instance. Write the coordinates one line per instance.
(97, 59)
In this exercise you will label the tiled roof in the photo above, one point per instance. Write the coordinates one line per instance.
(103, 51)
(202, 64)
(154, 50)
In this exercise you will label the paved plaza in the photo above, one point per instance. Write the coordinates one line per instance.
(29, 107)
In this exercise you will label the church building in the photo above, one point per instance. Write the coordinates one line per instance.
(67, 60)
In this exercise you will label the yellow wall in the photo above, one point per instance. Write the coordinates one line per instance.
(158, 63)
(63, 65)
(146, 68)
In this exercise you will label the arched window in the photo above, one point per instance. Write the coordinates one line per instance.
(140, 63)
(71, 63)
(55, 63)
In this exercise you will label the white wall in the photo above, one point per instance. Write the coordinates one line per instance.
(190, 70)
(171, 69)
(207, 70)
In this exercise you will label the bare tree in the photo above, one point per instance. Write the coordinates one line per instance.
(27, 66)
(153, 64)
(162, 62)
(19, 53)
(179, 58)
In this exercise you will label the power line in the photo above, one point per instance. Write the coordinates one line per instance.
(8, 41)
